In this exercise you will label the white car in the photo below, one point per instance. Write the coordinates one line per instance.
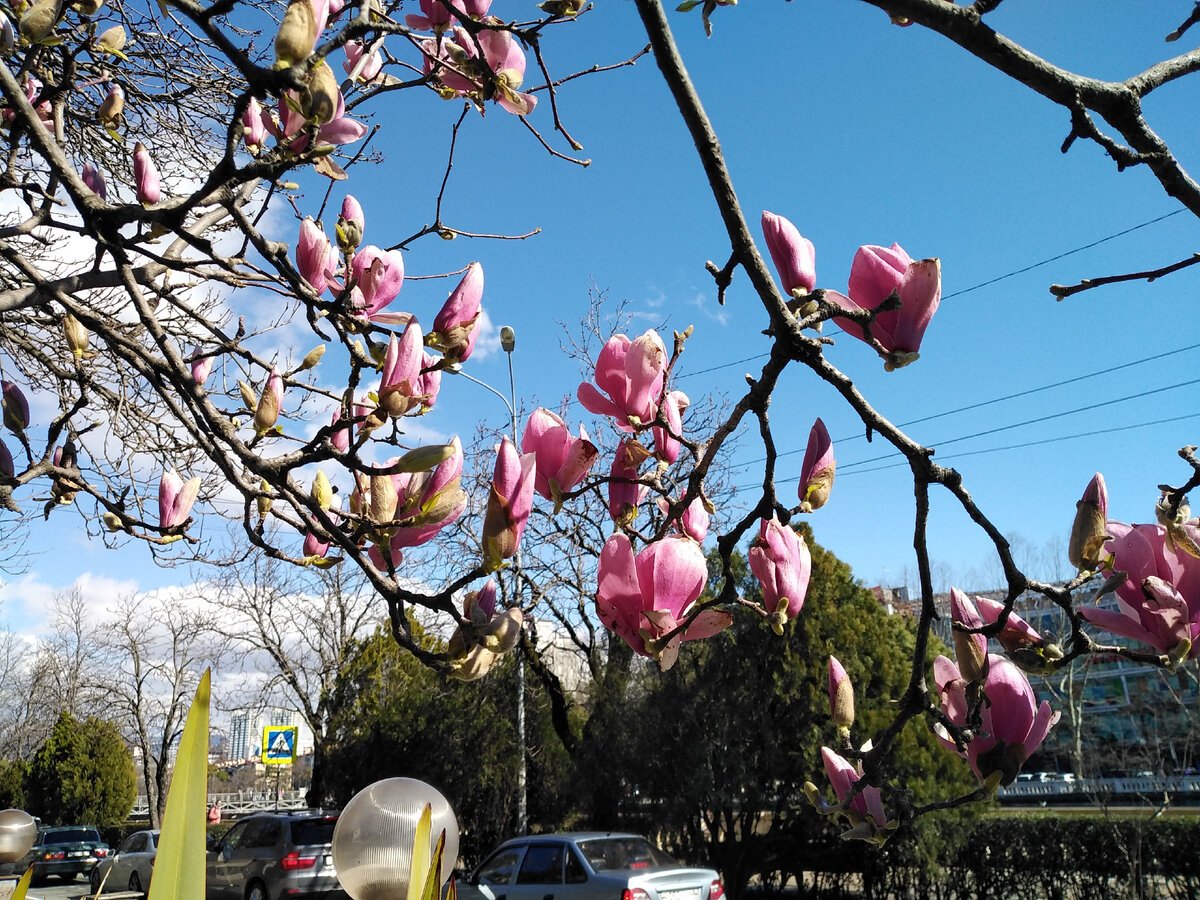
(586, 866)
(130, 868)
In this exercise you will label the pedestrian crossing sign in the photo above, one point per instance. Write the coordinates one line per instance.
(279, 745)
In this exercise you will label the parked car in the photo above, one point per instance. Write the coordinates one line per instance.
(67, 851)
(586, 866)
(130, 867)
(275, 855)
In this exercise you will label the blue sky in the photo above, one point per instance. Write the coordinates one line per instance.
(859, 132)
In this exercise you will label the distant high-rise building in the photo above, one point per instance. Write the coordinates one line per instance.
(239, 736)
(285, 717)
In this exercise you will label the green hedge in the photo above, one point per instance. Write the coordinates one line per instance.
(1049, 856)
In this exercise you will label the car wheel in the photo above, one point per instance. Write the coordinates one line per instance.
(135, 883)
(256, 891)
(94, 880)
(37, 879)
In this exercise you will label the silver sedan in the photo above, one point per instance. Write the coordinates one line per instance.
(587, 866)
(131, 867)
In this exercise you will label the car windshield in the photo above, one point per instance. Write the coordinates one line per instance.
(313, 831)
(71, 836)
(610, 853)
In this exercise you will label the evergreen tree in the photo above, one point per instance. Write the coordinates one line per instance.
(83, 774)
(396, 717)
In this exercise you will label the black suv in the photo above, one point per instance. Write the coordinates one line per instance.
(275, 855)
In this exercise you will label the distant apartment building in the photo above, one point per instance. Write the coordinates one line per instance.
(239, 735)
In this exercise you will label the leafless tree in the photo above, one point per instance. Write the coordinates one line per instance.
(154, 652)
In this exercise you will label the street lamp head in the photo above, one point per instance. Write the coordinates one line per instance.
(508, 339)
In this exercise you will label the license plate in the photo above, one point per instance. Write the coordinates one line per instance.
(688, 894)
(328, 862)
(78, 853)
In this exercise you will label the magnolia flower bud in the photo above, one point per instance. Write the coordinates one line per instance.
(39, 20)
(249, 398)
(264, 499)
(16, 408)
(7, 469)
(841, 695)
(112, 521)
(350, 225)
(93, 178)
(319, 99)
(145, 174)
(266, 413)
(1089, 530)
(77, 336)
(384, 499)
(297, 33)
(112, 108)
(255, 128)
(322, 490)
(311, 358)
(112, 41)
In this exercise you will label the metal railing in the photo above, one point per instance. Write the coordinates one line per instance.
(238, 803)
(1180, 786)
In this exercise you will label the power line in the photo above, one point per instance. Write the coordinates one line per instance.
(1025, 393)
(1054, 440)
(1047, 418)
(981, 284)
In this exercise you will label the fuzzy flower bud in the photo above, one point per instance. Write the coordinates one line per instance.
(1089, 530)
(841, 696)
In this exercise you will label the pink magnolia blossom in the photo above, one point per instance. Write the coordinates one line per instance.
(1161, 619)
(456, 326)
(693, 522)
(867, 805)
(510, 500)
(780, 560)
(426, 502)
(875, 274)
(201, 368)
(254, 121)
(644, 599)
(314, 547)
(44, 110)
(1021, 642)
(631, 374)
(341, 129)
(146, 177)
(562, 460)
(454, 61)
(817, 473)
(175, 499)
(434, 16)
(94, 179)
(369, 69)
(794, 256)
(16, 407)
(970, 647)
(1014, 724)
(341, 433)
(377, 276)
(1143, 551)
(625, 494)
(666, 446)
(315, 256)
(401, 389)
(429, 382)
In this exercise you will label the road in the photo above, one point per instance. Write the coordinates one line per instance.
(71, 890)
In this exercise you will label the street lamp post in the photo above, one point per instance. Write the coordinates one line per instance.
(508, 342)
